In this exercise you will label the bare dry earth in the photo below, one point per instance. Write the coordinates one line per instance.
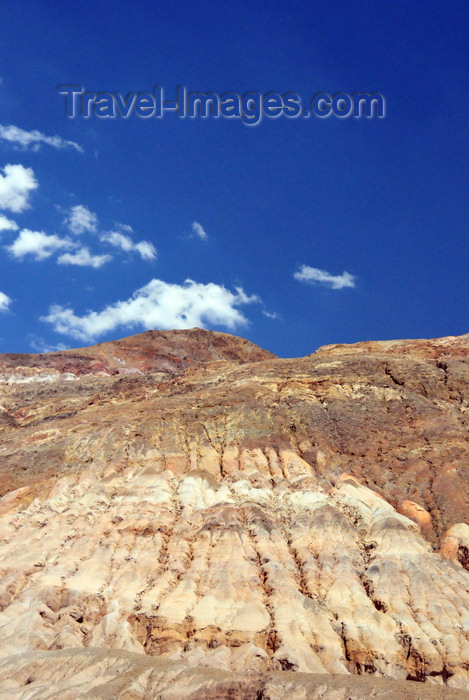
(185, 515)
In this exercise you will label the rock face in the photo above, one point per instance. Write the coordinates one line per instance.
(185, 515)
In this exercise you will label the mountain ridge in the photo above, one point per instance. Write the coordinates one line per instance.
(151, 351)
(237, 512)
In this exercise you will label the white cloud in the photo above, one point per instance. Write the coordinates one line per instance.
(84, 258)
(4, 302)
(272, 315)
(199, 230)
(40, 345)
(315, 276)
(158, 305)
(15, 187)
(81, 220)
(38, 244)
(7, 224)
(146, 249)
(125, 227)
(34, 138)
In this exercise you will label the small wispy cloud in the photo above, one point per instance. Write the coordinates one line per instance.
(38, 244)
(158, 304)
(5, 302)
(15, 187)
(272, 315)
(146, 249)
(81, 220)
(313, 275)
(124, 242)
(7, 224)
(84, 258)
(38, 344)
(199, 231)
(34, 139)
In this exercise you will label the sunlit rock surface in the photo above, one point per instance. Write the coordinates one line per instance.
(185, 515)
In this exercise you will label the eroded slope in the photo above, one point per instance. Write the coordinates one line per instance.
(219, 517)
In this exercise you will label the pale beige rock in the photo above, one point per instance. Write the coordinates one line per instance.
(179, 537)
(249, 578)
(110, 674)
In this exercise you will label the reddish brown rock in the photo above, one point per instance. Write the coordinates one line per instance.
(187, 496)
(455, 544)
(419, 515)
(169, 352)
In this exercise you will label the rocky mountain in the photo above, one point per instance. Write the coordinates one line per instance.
(184, 515)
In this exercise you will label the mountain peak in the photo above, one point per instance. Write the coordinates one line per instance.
(170, 352)
(183, 515)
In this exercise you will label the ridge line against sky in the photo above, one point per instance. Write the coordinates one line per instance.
(300, 232)
(156, 305)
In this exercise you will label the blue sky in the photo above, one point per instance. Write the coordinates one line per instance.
(293, 233)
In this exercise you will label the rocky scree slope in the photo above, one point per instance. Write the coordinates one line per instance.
(182, 512)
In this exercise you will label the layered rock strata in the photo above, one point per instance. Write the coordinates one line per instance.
(222, 518)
